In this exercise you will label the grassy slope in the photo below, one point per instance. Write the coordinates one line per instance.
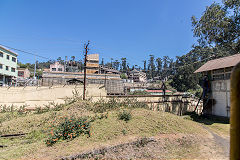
(105, 132)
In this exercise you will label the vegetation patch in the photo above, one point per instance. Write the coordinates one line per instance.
(70, 128)
(124, 115)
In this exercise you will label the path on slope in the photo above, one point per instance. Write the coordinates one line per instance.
(221, 145)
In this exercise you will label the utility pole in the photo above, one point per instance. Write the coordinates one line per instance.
(35, 66)
(85, 67)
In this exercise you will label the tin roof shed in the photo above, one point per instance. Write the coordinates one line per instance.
(219, 63)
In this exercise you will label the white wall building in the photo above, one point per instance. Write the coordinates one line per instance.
(219, 71)
(137, 76)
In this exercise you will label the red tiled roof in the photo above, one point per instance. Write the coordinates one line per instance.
(224, 62)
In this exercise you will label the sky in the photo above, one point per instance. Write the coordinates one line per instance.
(116, 28)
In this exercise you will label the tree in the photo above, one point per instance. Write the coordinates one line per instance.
(73, 58)
(144, 66)
(151, 67)
(165, 72)
(124, 65)
(59, 59)
(116, 64)
(111, 62)
(159, 67)
(184, 77)
(219, 26)
(102, 62)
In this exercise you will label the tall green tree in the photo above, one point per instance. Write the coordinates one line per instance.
(219, 26)
(159, 67)
(116, 64)
(151, 66)
(144, 66)
(124, 65)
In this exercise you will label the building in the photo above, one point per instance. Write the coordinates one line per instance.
(92, 65)
(107, 70)
(137, 76)
(57, 67)
(8, 66)
(72, 66)
(24, 73)
(217, 84)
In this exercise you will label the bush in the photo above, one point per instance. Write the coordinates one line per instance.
(70, 128)
(125, 115)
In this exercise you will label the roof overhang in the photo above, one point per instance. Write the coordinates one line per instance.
(219, 63)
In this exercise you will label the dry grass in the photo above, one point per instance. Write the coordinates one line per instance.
(106, 132)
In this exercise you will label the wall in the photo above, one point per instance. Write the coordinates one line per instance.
(175, 104)
(39, 96)
(221, 94)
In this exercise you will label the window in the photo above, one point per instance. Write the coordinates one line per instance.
(7, 68)
(59, 69)
(13, 59)
(1, 54)
(0, 66)
(53, 69)
(13, 69)
(7, 56)
(218, 77)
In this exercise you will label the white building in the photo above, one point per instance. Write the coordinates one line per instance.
(137, 76)
(8, 66)
(57, 67)
(219, 72)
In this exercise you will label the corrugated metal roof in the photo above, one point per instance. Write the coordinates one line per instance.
(224, 62)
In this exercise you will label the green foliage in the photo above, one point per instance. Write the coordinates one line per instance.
(124, 65)
(124, 115)
(139, 93)
(70, 128)
(151, 67)
(219, 25)
(123, 76)
(113, 103)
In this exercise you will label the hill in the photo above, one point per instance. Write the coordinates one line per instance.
(170, 136)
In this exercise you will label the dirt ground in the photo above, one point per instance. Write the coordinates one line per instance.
(165, 146)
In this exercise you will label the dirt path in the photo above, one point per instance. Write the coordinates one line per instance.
(221, 145)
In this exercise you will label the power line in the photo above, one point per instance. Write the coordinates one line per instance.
(19, 50)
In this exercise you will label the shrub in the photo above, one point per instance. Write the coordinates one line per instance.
(70, 128)
(125, 115)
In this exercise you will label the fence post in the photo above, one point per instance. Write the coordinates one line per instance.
(235, 114)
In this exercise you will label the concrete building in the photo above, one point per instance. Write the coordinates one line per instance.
(218, 74)
(137, 76)
(107, 70)
(92, 65)
(24, 73)
(8, 66)
(57, 67)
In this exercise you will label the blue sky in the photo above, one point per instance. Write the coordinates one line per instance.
(116, 28)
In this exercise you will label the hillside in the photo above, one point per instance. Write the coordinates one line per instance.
(172, 136)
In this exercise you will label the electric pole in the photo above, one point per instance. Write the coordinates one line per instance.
(35, 66)
(85, 68)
